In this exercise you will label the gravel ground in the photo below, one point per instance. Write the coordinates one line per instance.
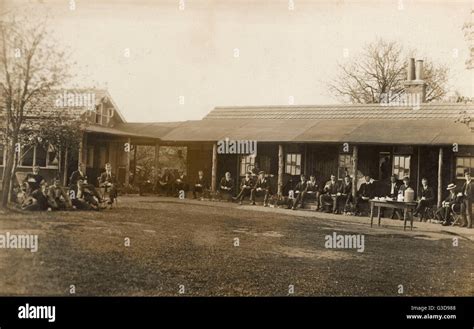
(184, 247)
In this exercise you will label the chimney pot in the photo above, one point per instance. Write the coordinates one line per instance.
(419, 69)
(411, 69)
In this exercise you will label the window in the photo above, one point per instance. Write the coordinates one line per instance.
(247, 162)
(401, 166)
(345, 166)
(293, 164)
(463, 163)
(2, 149)
(27, 156)
(103, 114)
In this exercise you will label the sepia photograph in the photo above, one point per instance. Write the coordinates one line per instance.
(245, 148)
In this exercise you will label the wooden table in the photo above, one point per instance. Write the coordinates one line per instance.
(407, 208)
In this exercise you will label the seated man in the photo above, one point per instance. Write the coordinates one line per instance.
(80, 175)
(365, 193)
(226, 187)
(34, 181)
(58, 199)
(329, 195)
(165, 183)
(262, 186)
(449, 205)
(84, 199)
(299, 192)
(246, 186)
(345, 195)
(426, 200)
(393, 187)
(38, 199)
(201, 186)
(180, 184)
(108, 182)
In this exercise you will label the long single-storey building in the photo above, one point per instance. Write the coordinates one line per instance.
(432, 140)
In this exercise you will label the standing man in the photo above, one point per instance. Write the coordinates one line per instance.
(426, 200)
(262, 186)
(246, 186)
(468, 196)
(108, 181)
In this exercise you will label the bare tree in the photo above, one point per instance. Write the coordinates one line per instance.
(468, 29)
(380, 71)
(30, 65)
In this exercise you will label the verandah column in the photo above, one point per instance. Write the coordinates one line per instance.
(214, 168)
(440, 176)
(127, 165)
(157, 161)
(281, 164)
(355, 159)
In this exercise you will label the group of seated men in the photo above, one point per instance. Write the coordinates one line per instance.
(337, 197)
(37, 194)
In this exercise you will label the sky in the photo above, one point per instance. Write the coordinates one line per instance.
(177, 60)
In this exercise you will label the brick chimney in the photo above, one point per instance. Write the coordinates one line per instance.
(415, 86)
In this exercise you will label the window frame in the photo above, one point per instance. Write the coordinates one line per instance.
(463, 167)
(293, 168)
(397, 171)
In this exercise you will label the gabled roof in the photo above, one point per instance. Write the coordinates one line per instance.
(47, 104)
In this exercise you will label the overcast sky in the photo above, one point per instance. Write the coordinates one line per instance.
(190, 55)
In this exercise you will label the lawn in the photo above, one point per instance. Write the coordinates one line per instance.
(184, 247)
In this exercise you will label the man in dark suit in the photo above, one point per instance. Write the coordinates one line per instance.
(468, 197)
(79, 175)
(34, 180)
(426, 199)
(393, 187)
(200, 186)
(226, 187)
(329, 194)
(448, 206)
(108, 181)
(365, 193)
(246, 186)
(299, 192)
(262, 186)
(165, 182)
(180, 184)
(345, 194)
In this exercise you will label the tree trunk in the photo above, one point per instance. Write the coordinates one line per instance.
(8, 170)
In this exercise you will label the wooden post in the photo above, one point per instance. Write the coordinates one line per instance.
(214, 168)
(81, 150)
(355, 159)
(281, 165)
(440, 176)
(418, 172)
(127, 165)
(65, 167)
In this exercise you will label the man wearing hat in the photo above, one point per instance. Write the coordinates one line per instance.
(468, 197)
(300, 192)
(246, 186)
(444, 213)
(262, 186)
